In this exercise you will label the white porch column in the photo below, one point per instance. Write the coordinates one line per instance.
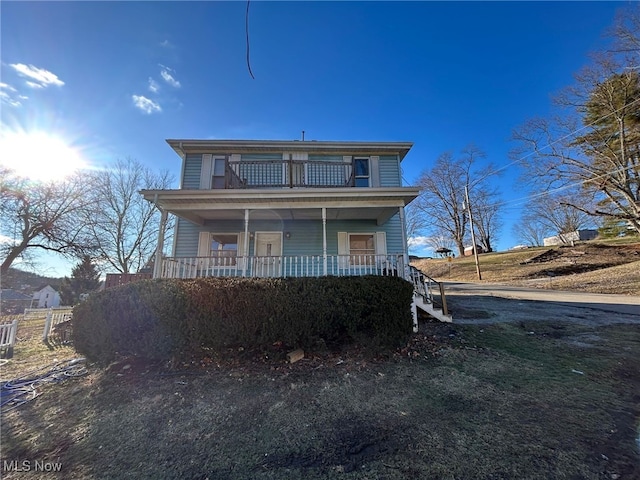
(405, 249)
(157, 264)
(245, 258)
(324, 240)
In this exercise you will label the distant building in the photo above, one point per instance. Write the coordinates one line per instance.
(12, 302)
(566, 238)
(46, 297)
(469, 250)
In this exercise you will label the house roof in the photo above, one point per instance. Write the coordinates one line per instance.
(8, 294)
(197, 206)
(184, 146)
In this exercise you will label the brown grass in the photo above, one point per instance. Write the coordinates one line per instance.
(456, 402)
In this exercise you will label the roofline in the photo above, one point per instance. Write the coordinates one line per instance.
(182, 146)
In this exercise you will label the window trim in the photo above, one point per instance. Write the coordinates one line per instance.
(215, 158)
(356, 176)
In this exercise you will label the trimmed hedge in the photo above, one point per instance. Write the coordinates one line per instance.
(160, 319)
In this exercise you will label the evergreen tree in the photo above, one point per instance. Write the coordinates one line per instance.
(84, 279)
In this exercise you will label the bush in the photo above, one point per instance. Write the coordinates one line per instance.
(162, 318)
(139, 318)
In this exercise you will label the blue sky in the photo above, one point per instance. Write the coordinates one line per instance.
(115, 79)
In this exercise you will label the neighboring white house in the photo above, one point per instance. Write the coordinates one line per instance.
(575, 236)
(45, 298)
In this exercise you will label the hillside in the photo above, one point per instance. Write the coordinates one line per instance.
(597, 267)
(20, 280)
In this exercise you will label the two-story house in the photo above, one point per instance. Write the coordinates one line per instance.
(270, 208)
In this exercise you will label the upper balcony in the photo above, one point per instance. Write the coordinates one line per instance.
(230, 174)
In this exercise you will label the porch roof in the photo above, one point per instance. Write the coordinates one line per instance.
(348, 203)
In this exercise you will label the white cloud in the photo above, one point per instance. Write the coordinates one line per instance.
(166, 44)
(10, 95)
(167, 77)
(6, 86)
(153, 86)
(145, 104)
(40, 76)
(4, 240)
(34, 84)
(419, 242)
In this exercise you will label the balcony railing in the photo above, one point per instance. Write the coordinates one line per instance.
(283, 266)
(286, 174)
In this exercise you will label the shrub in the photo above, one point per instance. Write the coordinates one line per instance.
(140, 318)
(164, 318)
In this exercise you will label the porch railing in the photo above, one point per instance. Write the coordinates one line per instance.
(287, 174)
(283, 266)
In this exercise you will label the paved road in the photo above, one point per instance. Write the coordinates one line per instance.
(513, 303)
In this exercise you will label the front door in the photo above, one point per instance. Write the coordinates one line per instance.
(268, 251)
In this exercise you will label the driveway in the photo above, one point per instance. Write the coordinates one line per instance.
(492, 302)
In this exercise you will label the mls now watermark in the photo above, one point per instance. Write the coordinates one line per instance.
(31, 466)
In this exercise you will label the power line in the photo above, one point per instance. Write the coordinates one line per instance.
(246, 29)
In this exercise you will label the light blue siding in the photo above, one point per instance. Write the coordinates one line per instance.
(186, 243)
(305, 236)
(192, 169)
(390, 176)
(326, 158)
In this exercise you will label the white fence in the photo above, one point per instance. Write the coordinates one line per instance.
(8, 338)
(52, 317)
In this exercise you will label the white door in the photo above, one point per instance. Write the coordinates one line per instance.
(268, 251)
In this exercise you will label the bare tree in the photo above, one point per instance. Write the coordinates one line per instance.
(414, 221)
(124, 226)
(486, 215)
(41, 216)
(441, 242)
(594, 142)
(529, 231)
(442, 197)
(551, 215)
(626, 32)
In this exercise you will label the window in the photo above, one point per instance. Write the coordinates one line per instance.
(217, 180)
(224, 247)
(362, 249)
(361, 170)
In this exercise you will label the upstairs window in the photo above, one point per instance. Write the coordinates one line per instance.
(217, 180)
(362, 172)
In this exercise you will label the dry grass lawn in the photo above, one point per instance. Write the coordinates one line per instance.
(590, 267)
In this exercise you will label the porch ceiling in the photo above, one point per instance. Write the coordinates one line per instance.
(197, 206)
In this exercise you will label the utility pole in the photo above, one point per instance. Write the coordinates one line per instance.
(473, 235)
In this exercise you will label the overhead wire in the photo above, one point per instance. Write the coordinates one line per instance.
(533, 196)
(246, 29)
